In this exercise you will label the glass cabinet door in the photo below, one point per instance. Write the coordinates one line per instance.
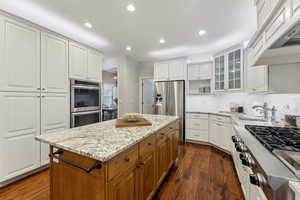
(220, 73)
(234, 70)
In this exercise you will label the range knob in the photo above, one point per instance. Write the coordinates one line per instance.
(240, 147)
(236, 139)
(247, 160)
(257, 179)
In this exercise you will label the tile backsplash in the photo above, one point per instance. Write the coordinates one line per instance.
(284, 103)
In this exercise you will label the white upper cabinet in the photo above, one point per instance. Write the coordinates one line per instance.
(170, 70)
(219, 73)
(235, 70)
(95, 62)
(161, 71)
(20, 123)
(177, 70)
(54, 68)
(85, 64)
(228, 71)
(19, 56)
(78, 58)
(200, 71)
(257, 79)
(54, 117)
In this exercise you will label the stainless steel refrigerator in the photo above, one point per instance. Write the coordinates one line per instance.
(170, 100)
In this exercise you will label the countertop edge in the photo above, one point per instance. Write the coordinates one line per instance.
(117, 152)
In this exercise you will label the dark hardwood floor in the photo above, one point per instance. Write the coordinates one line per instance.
(203, 173)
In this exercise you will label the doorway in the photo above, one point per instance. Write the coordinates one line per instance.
(147, 95)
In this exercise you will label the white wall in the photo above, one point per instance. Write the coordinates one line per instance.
(128, 87)
(285, 103)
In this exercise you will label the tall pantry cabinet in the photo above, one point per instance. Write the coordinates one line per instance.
(33, 94)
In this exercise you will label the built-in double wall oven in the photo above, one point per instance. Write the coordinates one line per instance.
(85, 103)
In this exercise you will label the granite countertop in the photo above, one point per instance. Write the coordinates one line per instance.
(102, 141)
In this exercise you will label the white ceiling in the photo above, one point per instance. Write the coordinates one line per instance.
(227, 22)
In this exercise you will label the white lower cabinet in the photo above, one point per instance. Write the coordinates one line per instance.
(24, 116)
(54, 117)
(220, 132)
(197, 127)
(20, 123)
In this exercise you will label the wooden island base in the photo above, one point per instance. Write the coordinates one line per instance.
(134, 174)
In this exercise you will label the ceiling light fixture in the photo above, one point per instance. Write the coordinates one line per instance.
(88, 25)
(202, 32)
(130, 7)
(128, 48)
(162, 41)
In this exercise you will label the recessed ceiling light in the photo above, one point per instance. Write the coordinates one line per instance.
(88, 25)
(130, 7)
(202, 32)
(128, 48)
(162, 41)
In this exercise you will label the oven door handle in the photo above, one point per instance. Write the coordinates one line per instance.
(86, 113)
(85, 87)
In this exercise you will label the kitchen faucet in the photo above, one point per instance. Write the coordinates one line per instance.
(264, 108)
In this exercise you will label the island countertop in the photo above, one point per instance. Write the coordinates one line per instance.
(103, 141)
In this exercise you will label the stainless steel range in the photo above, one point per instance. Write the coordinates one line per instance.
(273, 156)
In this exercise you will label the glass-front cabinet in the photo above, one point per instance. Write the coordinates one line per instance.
(228, 71)
(234, 69)
(220, 73)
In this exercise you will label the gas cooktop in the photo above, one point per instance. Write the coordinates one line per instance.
(277, 138)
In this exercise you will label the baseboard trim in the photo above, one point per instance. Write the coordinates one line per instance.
(209, 144)
(20, 177)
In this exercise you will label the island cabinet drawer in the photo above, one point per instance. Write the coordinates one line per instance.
(147, 146)
(78, 160)
(122, 162)
(162, 134)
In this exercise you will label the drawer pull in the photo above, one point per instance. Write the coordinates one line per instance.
(142, 163)
(97, 165)
(139, 164)
(149, 143)
(127, 159)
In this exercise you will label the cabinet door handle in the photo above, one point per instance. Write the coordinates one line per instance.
(38, 88)
(149, 143)
(127, 159)
(43, 88)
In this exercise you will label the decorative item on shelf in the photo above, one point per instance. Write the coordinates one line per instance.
(132, 120)
(240, 109)
(292, 120)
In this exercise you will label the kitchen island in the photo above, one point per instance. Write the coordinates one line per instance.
(99, 161)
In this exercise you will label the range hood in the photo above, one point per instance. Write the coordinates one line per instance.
(290, 38)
